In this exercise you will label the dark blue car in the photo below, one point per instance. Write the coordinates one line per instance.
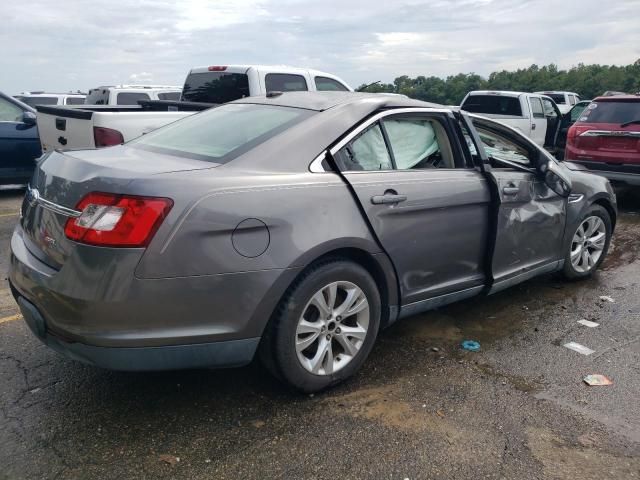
(19, 141)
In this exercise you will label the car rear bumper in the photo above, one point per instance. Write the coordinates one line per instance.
(231, 353)
(107, 317)
(621, 173)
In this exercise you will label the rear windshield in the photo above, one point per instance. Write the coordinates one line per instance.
(611, 112)
(221, 134)
(215, 87)
(556, 97)
(33, 101)
(98, 96)
(493, 104)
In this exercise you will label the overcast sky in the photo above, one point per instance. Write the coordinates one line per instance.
(60, 45)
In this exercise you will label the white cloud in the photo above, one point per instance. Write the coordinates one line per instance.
(65, 45)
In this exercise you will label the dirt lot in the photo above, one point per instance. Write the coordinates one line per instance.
(421, 408)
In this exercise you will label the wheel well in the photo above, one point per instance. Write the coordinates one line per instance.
(609, 208)
(370, 264)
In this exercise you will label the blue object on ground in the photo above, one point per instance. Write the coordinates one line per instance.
(471, 345)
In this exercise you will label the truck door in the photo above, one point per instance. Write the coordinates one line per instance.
(19, 142)
(530, 216)
(538, 121)
(427, 207)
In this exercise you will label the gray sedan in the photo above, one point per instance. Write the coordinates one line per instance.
(293, 227)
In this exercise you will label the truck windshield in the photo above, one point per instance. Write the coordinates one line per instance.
(98, 96)
(493, 104)
(215, 87)
(221, 134)
(556, 97)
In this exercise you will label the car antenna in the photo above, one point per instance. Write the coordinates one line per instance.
(364, 87)
(273, 93)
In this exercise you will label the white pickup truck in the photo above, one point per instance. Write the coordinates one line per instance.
(536, 116)
(94, 126)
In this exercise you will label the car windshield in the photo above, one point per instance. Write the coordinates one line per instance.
(618, 112)
(493, 104)
(221, 134)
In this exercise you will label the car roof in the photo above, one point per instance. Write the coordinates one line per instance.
(44, 94)
(556, 92)
(618, 98)
(321, 101)
(137, 87)
(504, 93)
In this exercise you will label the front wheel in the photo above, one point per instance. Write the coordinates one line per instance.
(589, 244)
(325, 326)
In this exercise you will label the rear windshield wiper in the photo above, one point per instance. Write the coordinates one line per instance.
(632, 122)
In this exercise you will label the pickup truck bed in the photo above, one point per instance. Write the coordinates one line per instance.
(66, 128)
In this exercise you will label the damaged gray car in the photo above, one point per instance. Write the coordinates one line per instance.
(292, 227)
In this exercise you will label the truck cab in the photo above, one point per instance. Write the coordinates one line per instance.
(536, 116)
(225, 83)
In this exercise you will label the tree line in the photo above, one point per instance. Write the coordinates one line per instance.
(588, 81)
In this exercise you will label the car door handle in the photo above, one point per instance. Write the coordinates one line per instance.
(510, 190)
(389, 197)
(533, 126)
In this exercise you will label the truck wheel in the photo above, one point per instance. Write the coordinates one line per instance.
(324, 328)
(589, 243)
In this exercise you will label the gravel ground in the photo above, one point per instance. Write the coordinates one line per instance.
(420, 408)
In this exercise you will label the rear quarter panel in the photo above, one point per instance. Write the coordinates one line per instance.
(293, 218)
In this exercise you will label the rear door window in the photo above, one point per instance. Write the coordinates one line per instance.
(325, 84)
(536, 107)
(367, 152)
(611, 112)
(215, 87)
(493, 104)
(285, 82)
(74, 101)
(418, 143)
(131, 98)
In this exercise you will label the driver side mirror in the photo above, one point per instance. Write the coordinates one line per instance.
(29, 118)
(556, 179)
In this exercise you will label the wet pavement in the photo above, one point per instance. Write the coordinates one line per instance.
(420, 408)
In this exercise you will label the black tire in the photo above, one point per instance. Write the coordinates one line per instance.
(277, 349)
(568, 270)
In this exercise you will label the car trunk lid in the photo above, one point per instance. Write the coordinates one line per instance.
(61, 180)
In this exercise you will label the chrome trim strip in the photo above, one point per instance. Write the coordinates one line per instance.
(378, 116)
(609, 133)
(54, 207)
(576, 197)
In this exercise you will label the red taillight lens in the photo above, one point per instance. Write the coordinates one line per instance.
(572, 133)
(217, 68)
(117, 220)
(106, 137)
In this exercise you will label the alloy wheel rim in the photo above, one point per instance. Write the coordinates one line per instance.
(332, 328)
(588, 244)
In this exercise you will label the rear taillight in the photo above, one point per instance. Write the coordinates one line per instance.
(106, 137)
(117, 220)
(572, 133)
(217, 68)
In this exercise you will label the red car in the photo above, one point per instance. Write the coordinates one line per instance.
(606, 138)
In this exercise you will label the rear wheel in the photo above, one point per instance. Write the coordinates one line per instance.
(325, 326)
(589, 243)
